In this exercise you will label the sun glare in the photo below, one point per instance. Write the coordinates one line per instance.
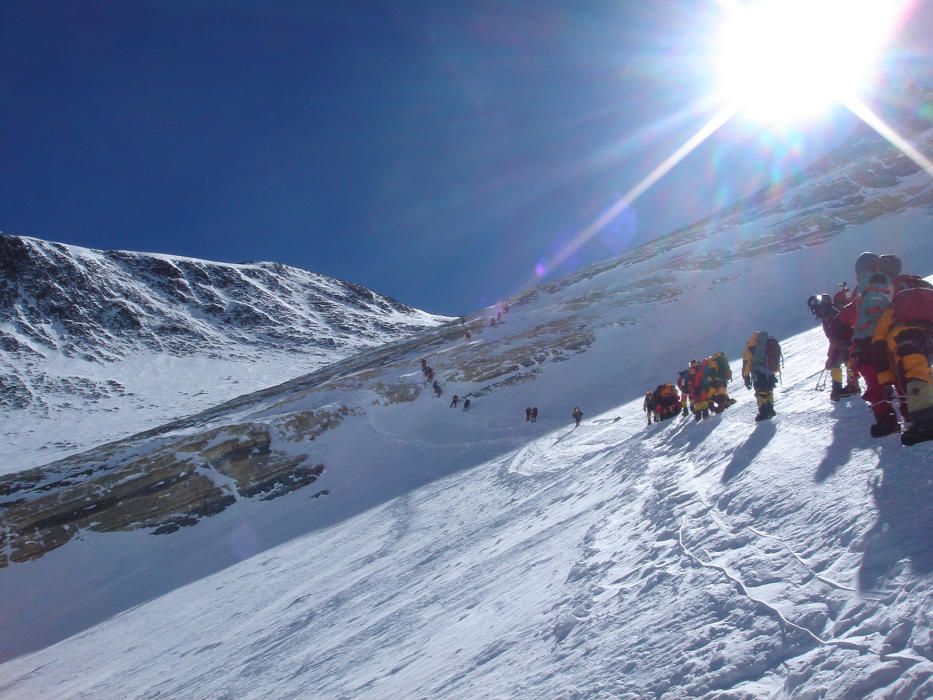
(784, 60)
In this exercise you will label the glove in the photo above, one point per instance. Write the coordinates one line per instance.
(748, 381)
(829, 363)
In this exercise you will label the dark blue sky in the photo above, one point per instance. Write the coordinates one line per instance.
(435, 151)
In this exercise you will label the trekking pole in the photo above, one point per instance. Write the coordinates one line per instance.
(821, 382)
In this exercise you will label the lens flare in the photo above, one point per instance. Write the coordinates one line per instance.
(785, 60)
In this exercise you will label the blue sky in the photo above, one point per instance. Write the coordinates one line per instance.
(435, 151)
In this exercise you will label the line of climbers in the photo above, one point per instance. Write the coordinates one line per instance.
(883, 334)
(531, 413)
(702, 388)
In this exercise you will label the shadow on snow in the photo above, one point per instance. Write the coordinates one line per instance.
(749, 450)
(903, 495)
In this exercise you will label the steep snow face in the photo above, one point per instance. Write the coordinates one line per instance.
(722, 559)
(96, 345)
(444, 553)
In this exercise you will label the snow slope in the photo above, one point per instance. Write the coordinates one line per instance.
(96, 345)
(724, 559)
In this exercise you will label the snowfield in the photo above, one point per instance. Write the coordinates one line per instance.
(790, 558)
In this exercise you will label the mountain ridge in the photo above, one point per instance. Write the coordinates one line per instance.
(87, 334)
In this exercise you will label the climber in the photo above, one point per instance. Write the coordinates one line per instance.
(719, 374)
(699, 389)
(839, 335)
(648, 405)
(761, 361)
(683, 384)
(466, 404)
(437, 388)
(577, 416)
(454, 401)
(901, 346)
(666, 402)
(872, 297)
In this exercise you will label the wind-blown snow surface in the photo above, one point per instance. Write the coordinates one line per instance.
(725, 559)
(97, 345)
(471, 554)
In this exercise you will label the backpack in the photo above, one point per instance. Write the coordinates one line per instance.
(913, 299)
(873, 299)
(683, 379)
(767, 353)
(723, 370)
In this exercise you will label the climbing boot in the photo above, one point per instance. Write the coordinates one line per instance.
(921, 428)
(765, 411)
(886, 425)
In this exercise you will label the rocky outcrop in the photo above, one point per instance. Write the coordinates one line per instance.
(172, 486)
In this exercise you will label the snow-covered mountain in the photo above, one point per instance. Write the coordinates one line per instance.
(349, 534)
(96, 345)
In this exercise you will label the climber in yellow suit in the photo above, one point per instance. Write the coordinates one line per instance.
(899, 348)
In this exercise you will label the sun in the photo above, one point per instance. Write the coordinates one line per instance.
(785, 60)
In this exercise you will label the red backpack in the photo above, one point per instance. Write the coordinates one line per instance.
(913, 299)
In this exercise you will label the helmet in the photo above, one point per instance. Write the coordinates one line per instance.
(821, 305)
(867, 262)
(889, 265)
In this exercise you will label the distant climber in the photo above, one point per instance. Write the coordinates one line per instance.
(648, 405)
(577, 416)
(426, 371)
(454, 401)
(839, 334)
(528, 414)
(761, 362)
(534, 414)
(666, 402)
(718, 376)
(699, 389)
(466, 404)
(437, 388)
(683, 385)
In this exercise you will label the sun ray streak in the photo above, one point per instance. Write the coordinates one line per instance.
(707, 130)
(864, 112)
